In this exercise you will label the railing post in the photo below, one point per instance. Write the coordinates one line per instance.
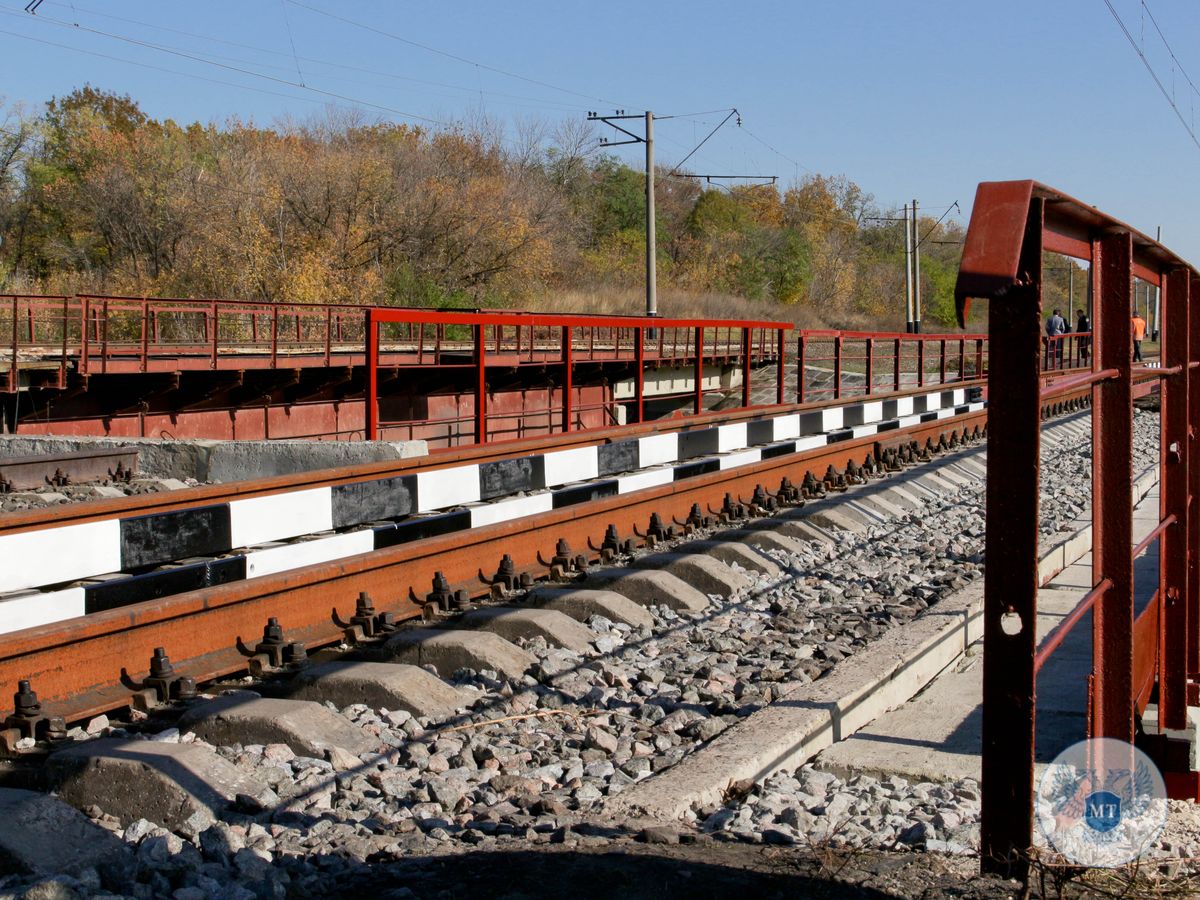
(1174, 624)
(896, 377)
(698, 404)
(746, 337)
(780, 364)
(216, 336)
(145, 332)
(920, 362)
(480, 386)
(801, 341)
(962, 359)
(1112, 491)
(942, 364)
(979, 357)
(85, 312)
(639, 375)
(837, 367)
(1193, 453)
(274, 335)
(1011, 576)
(568, 380)
(104, 340)
(870, 366)
(62, 360)
(371, 421)
(328, 335)
(13, 373)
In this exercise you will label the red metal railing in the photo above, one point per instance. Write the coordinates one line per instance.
(1134, 653)
(837, 364)
(564, 345)
(1067, 351)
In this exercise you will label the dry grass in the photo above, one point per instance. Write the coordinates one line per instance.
(673, 303)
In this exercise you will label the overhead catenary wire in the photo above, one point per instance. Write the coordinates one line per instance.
(447, 54)
(240, 70)
(1149, 68)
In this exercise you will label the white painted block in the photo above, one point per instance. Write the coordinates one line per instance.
(627, 484)
(731, 437)
(811, 442)
(787, 427)
(978, 405)
(872, 412)
(277, 517)
(512, 508)
(906, 421)
(307, 553)
(864, 430)
(960, 397)
(904, 406)
(933, 401)
(28, 610)
(564, 466)
(741, 458)
(831, 419)
(444, 488)
(657, 449)
(946, 413)
(54, 555)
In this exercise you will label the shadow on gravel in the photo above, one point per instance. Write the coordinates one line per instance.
(633, 872)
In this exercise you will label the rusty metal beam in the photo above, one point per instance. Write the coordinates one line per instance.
(1011, 577)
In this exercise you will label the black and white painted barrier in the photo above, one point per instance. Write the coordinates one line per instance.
(117, 560)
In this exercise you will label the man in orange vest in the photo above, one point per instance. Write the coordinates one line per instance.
(1139, 334)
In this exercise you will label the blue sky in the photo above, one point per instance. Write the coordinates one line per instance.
(921, 99)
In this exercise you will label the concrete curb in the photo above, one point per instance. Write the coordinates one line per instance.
(811, 717)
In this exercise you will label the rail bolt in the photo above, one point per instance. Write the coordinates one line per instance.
(440, 596)
(506, 573)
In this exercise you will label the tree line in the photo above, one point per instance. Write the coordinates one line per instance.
(96, 196)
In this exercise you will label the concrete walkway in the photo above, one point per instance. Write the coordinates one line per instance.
(936, 735)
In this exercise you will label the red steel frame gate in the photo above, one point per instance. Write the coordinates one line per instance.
(1133, 658)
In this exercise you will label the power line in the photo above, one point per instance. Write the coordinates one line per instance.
(1163, 37)
(1138, 50)
(732, 113)
(542, 102)
(239, 69)
(445, 53)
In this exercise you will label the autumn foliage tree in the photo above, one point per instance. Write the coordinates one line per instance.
(97, 196)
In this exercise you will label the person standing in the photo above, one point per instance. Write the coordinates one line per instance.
(1082, 327)
(1139, 335)
(1056, 327)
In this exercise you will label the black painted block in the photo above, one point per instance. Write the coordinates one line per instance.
(698, 443)
(424, 527)
(783, 449)
(888, 426)
(370, 501)
(701, 467)
(584, 493)
(929, 416)
(165, 537)
(760, 431)
(618, 457)
(835, 436)
(162, 583)
(504, 477)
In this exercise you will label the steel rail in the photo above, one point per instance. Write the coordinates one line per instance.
(76, 666)
(144, 504)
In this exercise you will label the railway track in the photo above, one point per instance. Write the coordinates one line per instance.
(86, 666)
(367, 778)
(18, 473)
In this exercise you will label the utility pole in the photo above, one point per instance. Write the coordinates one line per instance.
(908, 285)
(916, 267)
(651, 237)
(1157, 291)
(648, 140)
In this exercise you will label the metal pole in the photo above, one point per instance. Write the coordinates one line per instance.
(916, 266)
(908, 291)
(651, 249)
